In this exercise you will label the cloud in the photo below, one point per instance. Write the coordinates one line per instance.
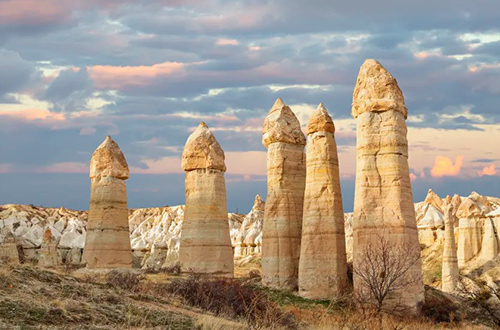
(120, 77)
(488, 170)
(444, 166)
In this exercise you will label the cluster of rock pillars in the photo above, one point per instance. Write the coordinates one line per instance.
(303, 239)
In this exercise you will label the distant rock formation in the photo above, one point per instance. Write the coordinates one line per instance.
(286, 173)
(48, 251)
(248, 239)
(471, 218)
(449, 273)
(107, 243)
(8, 250)
(205, 243)
(323, 264)
(383, 198)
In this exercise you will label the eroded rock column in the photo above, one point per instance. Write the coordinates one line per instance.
(286, 174)
(449, 272)
(383, 205)
(107, 244)
(469, 231)
(205, 245)
(323, 264)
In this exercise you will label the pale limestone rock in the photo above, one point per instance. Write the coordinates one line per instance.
(433, 199)
(8, 250)
(489, 247)
(48, 251)
(205, 245)
(323, 264)
(471, 218)
(248, 239)
(450, 274)
(286, 173)
(383, 197)
(107, 243)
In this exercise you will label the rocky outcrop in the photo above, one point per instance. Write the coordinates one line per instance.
(323, 265)
(107, 243)
(248, 239)
(383, 198)
(489, 245)
(8, 250)
(205, 243)
(48, 251)
(286, 173)
(471, 218)
(450, 274)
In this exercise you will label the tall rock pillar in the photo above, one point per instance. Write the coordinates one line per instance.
(205, 245)
(323, 263)
(449, 271)
(107, 244)
(286, 174)
(383, 205)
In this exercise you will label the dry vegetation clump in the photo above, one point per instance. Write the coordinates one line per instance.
(232, 298)
(125, 279)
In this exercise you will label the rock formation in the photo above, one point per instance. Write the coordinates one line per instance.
(489, 246)
(8, 250)
(469, 230)
(286, 173)
(323, 264)
(205, 245)
(450, 273)
(248, 240)
(383, 203)
(48, 251)
(495, 219)
(107, 244)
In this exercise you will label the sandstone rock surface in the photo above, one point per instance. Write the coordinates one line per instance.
(323, 264)
(450, 274)
(107, 243)
(383, 198)
(48, 251)
(248, 239)
(471, 218)
(205, 243)
(281, 233)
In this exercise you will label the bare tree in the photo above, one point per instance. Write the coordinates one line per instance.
(384, 268)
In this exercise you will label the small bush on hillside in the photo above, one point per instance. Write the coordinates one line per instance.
(123, 278)
(230, 297)
(438, 308)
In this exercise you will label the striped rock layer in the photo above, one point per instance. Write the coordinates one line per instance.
(107, 244)
(205, 244)
(286, 173)
(383, 205)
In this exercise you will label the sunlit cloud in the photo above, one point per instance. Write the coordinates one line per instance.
(488, 170)
(34, 114)
(444, 166)
(118, 77)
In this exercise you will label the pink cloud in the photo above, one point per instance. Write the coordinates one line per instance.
(33, 114)
(444, 166)
(34, 12)
(163, 165)
(64, 167)
(119, 77)
(488, 170)
(226, 42)
(246, 162)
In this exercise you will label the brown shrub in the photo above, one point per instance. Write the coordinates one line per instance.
(123, 278)
(230, 297)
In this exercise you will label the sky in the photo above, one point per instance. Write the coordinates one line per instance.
(147, 72)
